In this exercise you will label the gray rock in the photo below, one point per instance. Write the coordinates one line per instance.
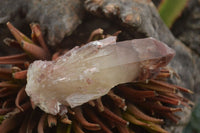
(9, 9)
(57, 18)
(137, 15)
(187, 28)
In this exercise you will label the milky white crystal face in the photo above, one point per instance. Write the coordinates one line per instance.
(89, 72)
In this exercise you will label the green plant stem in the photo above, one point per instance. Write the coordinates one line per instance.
(63, 128)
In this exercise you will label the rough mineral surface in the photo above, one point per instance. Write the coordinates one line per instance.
(57, 18)
(190, 20)
(89, 72)
(137, 15)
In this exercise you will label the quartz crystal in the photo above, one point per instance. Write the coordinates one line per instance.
(89, 72)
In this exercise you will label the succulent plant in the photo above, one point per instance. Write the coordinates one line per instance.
(145, 101)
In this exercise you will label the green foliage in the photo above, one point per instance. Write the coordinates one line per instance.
(1, 118)
(63, 128)
(170, 10)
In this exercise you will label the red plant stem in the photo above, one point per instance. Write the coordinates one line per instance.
(130, 92)
(99, 105)
(13, 62)
(140, 115)
(163, 75)
(38, 34)
(5, 76)
(59, 53)
(183, 89)
(77, 128)
(113, 117)
(175, 96)
(34, 50)
(91, 103)
(122, 129)
(165, 70)
(130, 131)
(26, 106)
(155, 87)
(32, 104)
(24, 124)
(8, 103)
(118, 101)
(55, 56)
(40, 128)
(17, 34)
(172, 95)
(5, 111)
(110, 124)
(80, 118)
(7, 92)
(20, 75)
(116, 33)
(66, 121)
(70, 111)
(183, 101)
(52, 120)
(185, 104)
(21, 95)
(13, 122)
(94, 33)
(158, 107)
(95, 118)
(7, 84)
(172, 117)
(162, 83)
(5, 70)
(26, 64)
(14, 57)
(166, 99)
(138, 100)
(33, 121)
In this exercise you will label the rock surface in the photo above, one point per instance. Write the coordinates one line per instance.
(137, 15)
(187, 28)
(57, 18)
(138, 18)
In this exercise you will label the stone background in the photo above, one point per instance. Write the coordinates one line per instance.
(136, 19)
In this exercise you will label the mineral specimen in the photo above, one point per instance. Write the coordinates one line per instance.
(89, 72)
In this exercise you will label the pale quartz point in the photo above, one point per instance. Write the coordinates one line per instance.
(89, 72)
